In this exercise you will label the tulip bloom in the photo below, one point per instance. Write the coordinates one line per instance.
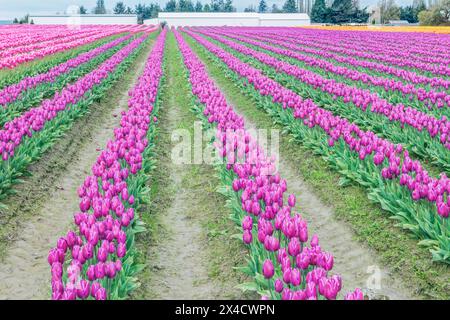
(268, 270)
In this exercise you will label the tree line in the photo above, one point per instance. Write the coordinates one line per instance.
(347, 11)
(340, 12)
(437, 14)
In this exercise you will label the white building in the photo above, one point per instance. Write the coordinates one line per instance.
(83, 19)
(398, 22)
(236, 19)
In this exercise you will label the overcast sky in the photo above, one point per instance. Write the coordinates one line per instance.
(10, 9)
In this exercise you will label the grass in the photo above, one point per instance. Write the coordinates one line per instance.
(206, 206)
(371, 225)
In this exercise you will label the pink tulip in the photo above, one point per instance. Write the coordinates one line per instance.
(291, 200)
(247, 237)
(268, 270)
(278, 285)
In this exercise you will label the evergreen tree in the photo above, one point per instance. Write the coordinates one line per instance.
(275, 9)
(100, 7)
(360, 16)
(186, 6)
(171, 6)
(217, 5)
(207, 8)
(290, 6)
(119, 8)
(190, 6)
(319, 12)
(139, 10)
(181, 6)
(16, 21)
(228, 6)
(262, 6)
(129, 10)
(25, 19)
(408, 13)
(157, 10)
(152, 11)
(83, 10)
(198, 7)
(250, 8)
(341, 11)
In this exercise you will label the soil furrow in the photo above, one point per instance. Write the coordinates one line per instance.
(188, 250)
(355, 262)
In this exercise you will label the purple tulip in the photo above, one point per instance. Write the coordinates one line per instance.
(278, 285)
(100, 294)
(121, 250)
(356, 295)
(83, 290)
(247, 237)
(247, 223)
(286, 294)
(314, 241)
(295, 277)
(294, 247)
(268, 269)
(91, 273)
(291, 200)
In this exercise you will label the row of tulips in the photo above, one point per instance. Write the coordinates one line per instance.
(397, 45)
(429, 52)
(34, 120)
(24, 35)
(28, 136)
(13, 51)
(40, 66)
(419, 202)
(11, 93)
(97, 260)
(440, 69)
(282, 263)
(68, 36)
(347, 59)
(430, 44)
(430, 98)
(417, 130)
(35, 96)
(12, 61)
(33, 37)
(361, 98)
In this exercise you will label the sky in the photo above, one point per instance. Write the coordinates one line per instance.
(18, 8)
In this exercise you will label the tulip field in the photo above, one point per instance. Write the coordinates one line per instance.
(353, 206)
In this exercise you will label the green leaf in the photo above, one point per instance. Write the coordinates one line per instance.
(248, 286)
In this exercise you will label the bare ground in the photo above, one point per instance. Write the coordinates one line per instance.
(48, 205)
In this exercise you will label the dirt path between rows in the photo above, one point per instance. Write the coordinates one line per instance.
(24, 273)
(355, 262)
(179, 260)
